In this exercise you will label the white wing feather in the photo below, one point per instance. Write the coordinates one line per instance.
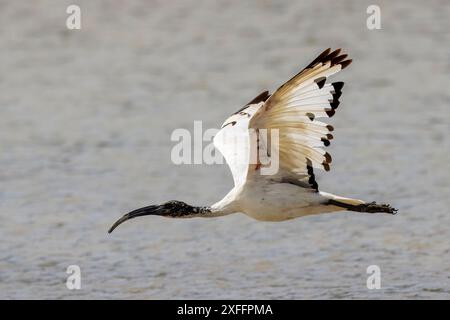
(292, 109)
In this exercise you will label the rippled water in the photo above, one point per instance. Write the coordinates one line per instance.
(85, 124)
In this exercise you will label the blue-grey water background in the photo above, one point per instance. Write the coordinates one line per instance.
(85, 123)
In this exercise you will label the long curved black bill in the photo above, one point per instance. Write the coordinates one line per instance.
(145, 211)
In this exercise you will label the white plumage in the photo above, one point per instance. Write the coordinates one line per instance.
(278, 131)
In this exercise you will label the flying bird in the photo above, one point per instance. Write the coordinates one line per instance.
(294, 141)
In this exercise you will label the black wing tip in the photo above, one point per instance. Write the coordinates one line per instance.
(334, 54)
(328, 158)
(334, 57)
(330, 113)
(320, 82)
(311, 116)
(334, 104)
(312, 178)
(325, 141)
(319, 58)
(338, 86)
(344, 64)
(336, 93)
(262, 97)
(338, 59)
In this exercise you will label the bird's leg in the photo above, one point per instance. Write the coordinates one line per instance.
(370, 207)
(171, 209)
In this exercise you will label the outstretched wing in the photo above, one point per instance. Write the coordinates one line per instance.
(293, 109)
(233, 140)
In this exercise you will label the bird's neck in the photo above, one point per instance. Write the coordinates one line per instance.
(225, 206)
(178, 209)
(197, 211)
(183, 210)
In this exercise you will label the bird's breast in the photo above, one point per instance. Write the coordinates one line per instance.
(278, 201)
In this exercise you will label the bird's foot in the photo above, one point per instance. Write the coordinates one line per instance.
(373, 207)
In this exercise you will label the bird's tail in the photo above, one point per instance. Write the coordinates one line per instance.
(358, 205)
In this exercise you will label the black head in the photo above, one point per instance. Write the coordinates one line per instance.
(173, 208)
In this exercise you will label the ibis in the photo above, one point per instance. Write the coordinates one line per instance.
(294, 143)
